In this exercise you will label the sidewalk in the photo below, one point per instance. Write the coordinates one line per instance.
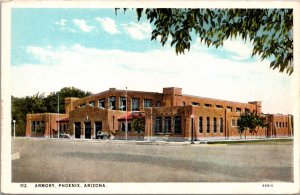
(156, 142)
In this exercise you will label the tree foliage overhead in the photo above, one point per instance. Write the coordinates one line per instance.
(269, 30)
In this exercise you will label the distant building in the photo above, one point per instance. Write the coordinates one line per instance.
(170, 115)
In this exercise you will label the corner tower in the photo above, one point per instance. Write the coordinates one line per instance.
(172, 96)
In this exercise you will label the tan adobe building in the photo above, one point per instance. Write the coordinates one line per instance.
(169, 115)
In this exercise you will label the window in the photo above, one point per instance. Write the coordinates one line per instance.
(82, 105)
(33, 126)
(238, 109)
(177, 127)
(158, 104)
(200, 124)
(158, 125)
(147, 103)
(280, 124)
(135, 104)
(195, 104)
(92, 104)
(276, 124)
(221, 125)
(219, 106)
(247, 110)
(215, 124)
(101, 103)
(229, 108)
(207, 105)
(207, 124)
(123, 103)
(112, 102)
(233, 123)
(167, 125)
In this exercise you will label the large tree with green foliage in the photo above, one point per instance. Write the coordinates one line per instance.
(250, 122)
(269, 30)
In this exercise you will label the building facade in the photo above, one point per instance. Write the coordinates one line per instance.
(170, 115)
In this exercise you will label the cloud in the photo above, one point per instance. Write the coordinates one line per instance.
(138, 31)
(108, 25)
(198, 73)
(63, 27)
(62, 22)
(82, 25)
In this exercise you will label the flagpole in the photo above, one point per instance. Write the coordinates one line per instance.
(126, 125)
(58, 115)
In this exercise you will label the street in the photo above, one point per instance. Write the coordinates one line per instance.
(53, 160)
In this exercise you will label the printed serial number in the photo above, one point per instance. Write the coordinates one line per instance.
(267, 185)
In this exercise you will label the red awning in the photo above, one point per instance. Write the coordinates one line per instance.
(63, 120)
(130, 116)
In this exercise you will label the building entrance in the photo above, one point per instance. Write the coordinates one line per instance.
(98, 129)
(77, 130)
(87, 130)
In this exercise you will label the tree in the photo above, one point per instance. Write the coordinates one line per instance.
(251, 122)
(138, 125)
(269, 30)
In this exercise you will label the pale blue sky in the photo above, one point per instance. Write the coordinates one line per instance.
(95, 49)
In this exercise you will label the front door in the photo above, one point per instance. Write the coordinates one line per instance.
(87, 130)
(98, 128)
(77, 130)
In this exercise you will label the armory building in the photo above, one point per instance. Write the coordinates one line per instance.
(170, 115)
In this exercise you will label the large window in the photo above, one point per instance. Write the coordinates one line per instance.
(177, 125)
(112, 102)
(123, 103)
(215, 124)
(167, 128)
(238, 109)
(200, 124)
(221, 125)
(101, 103)
(207, 124)
(135, 104)
(92, 104)
(158, 125)
(33, 126)
(147, 103)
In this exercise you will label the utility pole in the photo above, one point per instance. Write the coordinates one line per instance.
(14, 121)
(126, 125)
(58, 115)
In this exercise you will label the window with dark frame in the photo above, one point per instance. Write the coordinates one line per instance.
(200, 124)
(112, 102)
(167, 128)
(177, 125)
(207, 124)
(135, 104)
(147, 103)
(221, 125)
(123, 103)
(102, 103)
(215, 124)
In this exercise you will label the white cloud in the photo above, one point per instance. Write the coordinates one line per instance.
(82, 25)
(108, 25)
(138, 31)
(62, 22)
(198, 73)
(241, 49)
(63, 27)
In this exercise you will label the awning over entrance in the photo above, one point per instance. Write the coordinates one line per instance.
(63, 120)
(130, 116)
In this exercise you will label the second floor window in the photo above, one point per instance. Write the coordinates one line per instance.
(102, 103)
(147, 103)
(112, 102)
(135, 104)
(123, 103)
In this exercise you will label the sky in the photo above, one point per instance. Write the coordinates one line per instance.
(97, 49)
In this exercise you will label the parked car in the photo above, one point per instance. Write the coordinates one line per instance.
(102, 135)
(64, 135)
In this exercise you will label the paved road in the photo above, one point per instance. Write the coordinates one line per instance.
(52, 160)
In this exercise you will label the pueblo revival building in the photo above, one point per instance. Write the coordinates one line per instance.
(170, 115)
